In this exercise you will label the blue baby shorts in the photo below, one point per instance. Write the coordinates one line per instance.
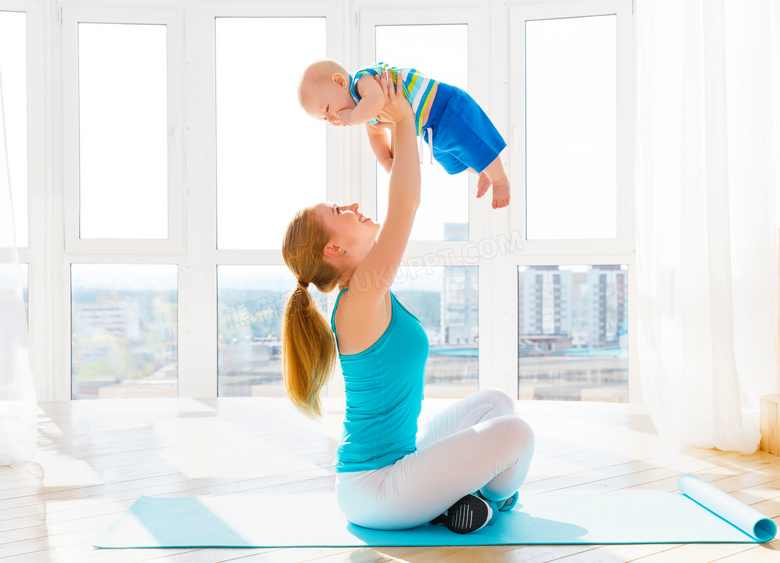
(463, 135)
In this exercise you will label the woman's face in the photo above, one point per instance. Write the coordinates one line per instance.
(349, 229)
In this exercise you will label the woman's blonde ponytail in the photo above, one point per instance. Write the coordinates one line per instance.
(308, 345)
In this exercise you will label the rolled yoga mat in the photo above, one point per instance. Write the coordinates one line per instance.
(700, 513)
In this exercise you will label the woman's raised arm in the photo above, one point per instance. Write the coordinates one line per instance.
(373, 277)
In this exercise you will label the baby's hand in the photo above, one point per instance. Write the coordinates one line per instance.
(344, 117)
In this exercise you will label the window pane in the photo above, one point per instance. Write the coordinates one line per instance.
(123, 131)
(571, 134)
(270, 154)
(573, 323)
(13, 72)
(440, 52)
(251, 302)
(445, 299)
(124, 331)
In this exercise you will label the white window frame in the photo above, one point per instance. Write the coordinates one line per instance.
(38, 210)
(483, 220)
(518, 15)
(476, 18)
(171, 250)
(206, 169)
(587, 252)
(28, 8)
(172, 19)
(335, 144)
(54, 242)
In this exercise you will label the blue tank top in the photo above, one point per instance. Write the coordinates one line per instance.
(384, 390)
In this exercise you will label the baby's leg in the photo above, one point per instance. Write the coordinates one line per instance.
(494, 174)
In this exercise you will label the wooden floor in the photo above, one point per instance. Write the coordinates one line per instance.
(96, 457)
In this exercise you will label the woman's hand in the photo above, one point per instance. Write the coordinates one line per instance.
(397, 107)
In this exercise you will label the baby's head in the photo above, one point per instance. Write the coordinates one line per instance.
(324, 91)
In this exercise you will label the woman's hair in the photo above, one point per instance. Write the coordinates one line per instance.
(308, 346)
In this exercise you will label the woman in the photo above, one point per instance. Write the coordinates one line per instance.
(460, 469)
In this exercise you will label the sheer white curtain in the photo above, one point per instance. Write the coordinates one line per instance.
(706, 175)
(18, 408)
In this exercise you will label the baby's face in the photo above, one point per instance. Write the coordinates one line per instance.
(324, 100)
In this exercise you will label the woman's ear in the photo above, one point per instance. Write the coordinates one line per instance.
(340, 80)
(332, 251)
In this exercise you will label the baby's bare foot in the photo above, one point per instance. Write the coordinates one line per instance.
(483, 184)
(500, 193)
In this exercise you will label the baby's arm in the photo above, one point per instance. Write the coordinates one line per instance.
(381, 145)
(372, 100)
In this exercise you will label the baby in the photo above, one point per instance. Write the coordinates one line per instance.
(460, 134)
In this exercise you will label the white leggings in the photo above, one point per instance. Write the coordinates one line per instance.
(477, 444)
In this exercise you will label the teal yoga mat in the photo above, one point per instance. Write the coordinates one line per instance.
(700, 513)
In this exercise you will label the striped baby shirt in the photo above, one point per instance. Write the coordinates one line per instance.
(417, 88)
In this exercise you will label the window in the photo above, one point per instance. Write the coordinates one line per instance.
(442, 290)
(123, 176)
(123, 131)
(441, 53)
(251, 304)
(446, 301)
(270, 154)
(124, 320)
(570, 106)
(570, 110)
(573, 333)
(181, 157)
(270, 160)
(13, 72)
